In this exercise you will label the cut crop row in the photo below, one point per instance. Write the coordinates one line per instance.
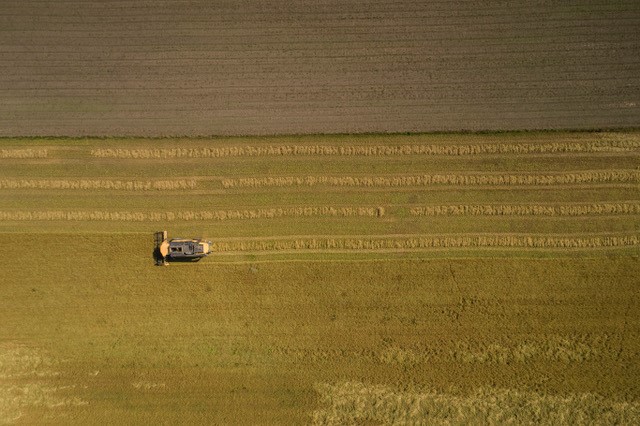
(585, 209)
(371, 150)
(214, 215)
(466, 179)
(90, 184)
(425, 242)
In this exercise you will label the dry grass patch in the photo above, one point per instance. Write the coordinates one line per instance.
(466, 179)
(23, 153)
(355, 402)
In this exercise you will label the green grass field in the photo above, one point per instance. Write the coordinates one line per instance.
(375, 278)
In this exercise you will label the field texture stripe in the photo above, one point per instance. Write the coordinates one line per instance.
(462, 179)
(370, 150)
(90, 184)
(352, 402)
(200, 215)
(546, 209)
(23, 153)
(422, 242)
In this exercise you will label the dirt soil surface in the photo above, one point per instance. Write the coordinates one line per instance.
(273, 67)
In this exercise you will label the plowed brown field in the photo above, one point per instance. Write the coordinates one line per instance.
(272, 67)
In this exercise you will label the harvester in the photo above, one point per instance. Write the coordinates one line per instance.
(179, 249)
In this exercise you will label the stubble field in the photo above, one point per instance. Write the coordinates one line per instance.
(374, 278)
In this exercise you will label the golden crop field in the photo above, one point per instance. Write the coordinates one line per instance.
(355, 279)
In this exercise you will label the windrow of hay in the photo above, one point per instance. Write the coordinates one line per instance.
(168, 216)
(23, 153)
(582, 209)
(355, 403)
(604, 145)
(111, 184)
(386, 243)
(467, 179)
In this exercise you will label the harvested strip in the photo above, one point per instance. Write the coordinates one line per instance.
(586, 209)
(411, 243)
(559, 178)
(23, 153)
(126, 185)
(611, 145)
(359, 403)
(217, 215)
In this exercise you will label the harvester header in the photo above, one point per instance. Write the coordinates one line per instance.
(179, 249)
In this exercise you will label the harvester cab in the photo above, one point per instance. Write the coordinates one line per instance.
(179, 249)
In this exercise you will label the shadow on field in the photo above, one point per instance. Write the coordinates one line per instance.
(160, 260)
